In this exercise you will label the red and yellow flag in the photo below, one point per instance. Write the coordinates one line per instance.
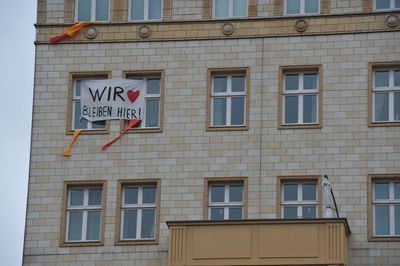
(71, 31)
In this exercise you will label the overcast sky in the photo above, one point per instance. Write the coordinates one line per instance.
(16, 74)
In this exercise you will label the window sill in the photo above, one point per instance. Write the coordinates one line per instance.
(227, 128)
(82, 244)
(90, 132)
(384, 239)
(144, 130)
(299, 126)
(384, 124)
(137, 242)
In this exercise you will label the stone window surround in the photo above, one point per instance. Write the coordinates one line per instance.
(278, 10)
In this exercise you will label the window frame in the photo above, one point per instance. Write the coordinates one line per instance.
(148, 74)
(298, 179)
(302, 7)
(377, 178)
(372, 68)
(145, 15)
(230, 10)
(66, 208)
(71, 100)
(229, 72)
(392, 6)
(226, 181)
(119, 217)
(92, 11)
(283, 70)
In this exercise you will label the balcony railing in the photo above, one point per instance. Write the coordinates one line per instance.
(258, 242)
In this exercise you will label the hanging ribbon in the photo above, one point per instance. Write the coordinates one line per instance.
(71, 31)
(131, 124)
(67, 151)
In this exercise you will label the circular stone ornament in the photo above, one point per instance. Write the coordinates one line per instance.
(228, 29)
(301, 25)
(144, 32)
(90, 33)
(392, 21)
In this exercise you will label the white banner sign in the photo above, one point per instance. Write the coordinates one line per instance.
(112, 99)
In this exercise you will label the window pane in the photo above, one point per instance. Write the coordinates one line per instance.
(149, 195)
(310, 81)
(311, 6)
(84, 8)
(397, 4)
(76, 197)
(290, 212)
(129, 227)
(381, 106)
(381, 190)
(237, 112)
(131, 195)
(137, 9)
(102, 10)
(153, 86)
(397, 190)
(290, 192)
(221, 8)
(309, 108)
(219, 111)
(78, 122)
(381, 4)
(152, 113)
(148, 221)
(309, 191)
(220, 84)
(397, 219)
(381, 78)
(217, 193)
(95, 196)
(382, 220)
(396, 106)
(93, 225)
(291, 82)
(238, 83)
(217, 214)
(291, 108)
(293, 6)
(75, 226)
(98, 124)
(397, 76)
(239, 8)
(235, 214)
(77, 89)
(235, 193)
(154, 9)
(309, 212)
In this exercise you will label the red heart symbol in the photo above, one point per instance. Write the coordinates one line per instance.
(133, 95)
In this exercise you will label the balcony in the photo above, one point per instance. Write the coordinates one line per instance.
(258, 242)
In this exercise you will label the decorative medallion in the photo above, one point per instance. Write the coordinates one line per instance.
(144, 32)
(301, 25)
(392, 21)
(228, 29)
(90, 33)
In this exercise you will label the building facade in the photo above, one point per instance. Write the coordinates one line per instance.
(248, 105)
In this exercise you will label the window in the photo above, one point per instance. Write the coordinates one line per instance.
(138, 212)
(384, 193)
(386, 4)
(154, 102)
(84, 213)
(145, 9)
(301, 7)
(385, 95)
(226, 199)
(92, 10)
(76, 122)
(299, 197)
(229, 8)
(300, 97)
(229, 100)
